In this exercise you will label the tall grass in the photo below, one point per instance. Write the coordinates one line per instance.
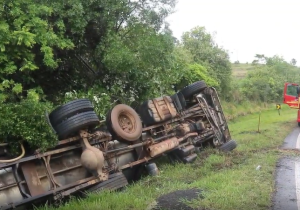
(233, 110)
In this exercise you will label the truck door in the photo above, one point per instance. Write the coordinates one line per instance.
(291, 95)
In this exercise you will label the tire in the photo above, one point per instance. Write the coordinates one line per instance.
(228, 146)
(69, 109)
(176, 102)
(77, 122)
(192, 89)
(182, 100)
(298, 124)
(124, 122)
(115, 181)
(145, 114)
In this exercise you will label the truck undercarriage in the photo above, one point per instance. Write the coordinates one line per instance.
(92, 155)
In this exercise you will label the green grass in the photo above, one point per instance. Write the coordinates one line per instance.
(241, 70)
(233, 111)
(229, 181)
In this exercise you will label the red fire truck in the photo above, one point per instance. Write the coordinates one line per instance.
(291, 97)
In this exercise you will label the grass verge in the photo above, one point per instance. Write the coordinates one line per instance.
(233, 111)
(229, 181)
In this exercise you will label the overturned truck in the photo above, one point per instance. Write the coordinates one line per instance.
(92, 155)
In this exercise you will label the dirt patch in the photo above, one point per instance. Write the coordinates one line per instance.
(175, 200)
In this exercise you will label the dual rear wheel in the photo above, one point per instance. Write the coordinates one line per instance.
(73, 116)
(185, 95)
(122, 121)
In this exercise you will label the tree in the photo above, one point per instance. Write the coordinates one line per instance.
(260, 58)
(116, 43)
(103, 49)
(207, 53)
(71, 45)
(293, 62)
(265, 82)
(27, 42)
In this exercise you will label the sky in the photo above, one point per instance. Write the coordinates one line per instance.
(244, 27)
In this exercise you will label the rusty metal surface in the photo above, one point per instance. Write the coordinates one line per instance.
(158, 109)
(117, 181)
(162, 109)
(97, 135)
(187, 136)
(40, 155)
(32, 179)
(188, 114)
(184, 128)
(170, 107)
(13, 204)
(49, 172)
(130, 165)
(65, 141)
(162, 147)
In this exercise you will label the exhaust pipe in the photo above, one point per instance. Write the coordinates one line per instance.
(166, 145)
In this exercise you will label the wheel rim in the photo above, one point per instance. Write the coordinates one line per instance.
(126, 122)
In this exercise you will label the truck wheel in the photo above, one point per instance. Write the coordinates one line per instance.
(69, 109)
(176, 102)
(181, 99)
(124, 122)
(228, 146)
(192, 89)
(77, 122)
(145, 114)
(115, 181)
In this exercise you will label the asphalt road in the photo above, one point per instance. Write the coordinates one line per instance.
(287, 195)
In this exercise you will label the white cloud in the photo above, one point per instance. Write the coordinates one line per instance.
(244, 27)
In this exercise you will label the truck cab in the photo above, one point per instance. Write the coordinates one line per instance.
(291, 97)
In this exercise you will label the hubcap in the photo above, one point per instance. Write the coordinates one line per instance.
(126, 122)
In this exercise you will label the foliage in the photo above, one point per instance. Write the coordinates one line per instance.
(101, 49)
(194, 73)
(132, 62)
(100, 99)
(71, 45)
(293, 62)
(207, 53)
(27, 42)
(265, 82)
(25, 121)
(118, 44)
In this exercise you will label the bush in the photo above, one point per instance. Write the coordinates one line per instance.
(25, 121)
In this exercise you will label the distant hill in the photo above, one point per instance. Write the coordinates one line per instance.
(240, 70)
